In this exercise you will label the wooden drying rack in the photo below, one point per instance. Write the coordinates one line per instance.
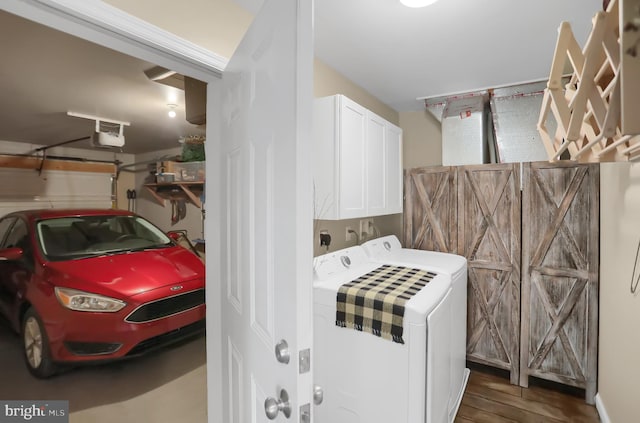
(587, 110)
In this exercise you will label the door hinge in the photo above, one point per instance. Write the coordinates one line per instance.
(305, 361)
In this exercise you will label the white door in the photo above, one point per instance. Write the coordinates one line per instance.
(267, 217)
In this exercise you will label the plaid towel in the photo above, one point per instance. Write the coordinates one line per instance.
(375, 302)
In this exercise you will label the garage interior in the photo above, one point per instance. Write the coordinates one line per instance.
(91, 80)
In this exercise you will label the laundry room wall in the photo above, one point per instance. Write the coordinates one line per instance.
(619, 345)
(422, 139)
(327, 81)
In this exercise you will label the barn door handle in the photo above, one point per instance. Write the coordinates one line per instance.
(273, 407)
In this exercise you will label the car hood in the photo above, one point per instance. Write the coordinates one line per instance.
(128, 274)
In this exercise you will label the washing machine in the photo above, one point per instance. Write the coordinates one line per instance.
(389, 250)
(370, 379)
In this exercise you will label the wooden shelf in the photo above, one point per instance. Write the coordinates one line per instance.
(176, 191)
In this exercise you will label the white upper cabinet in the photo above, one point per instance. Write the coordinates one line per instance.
(393, 165)
(357, 161)
(376, 169)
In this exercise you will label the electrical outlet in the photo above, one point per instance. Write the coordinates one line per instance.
(366, 228)
(348, 233)
(325, 238)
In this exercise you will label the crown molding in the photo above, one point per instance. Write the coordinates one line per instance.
(104, 24)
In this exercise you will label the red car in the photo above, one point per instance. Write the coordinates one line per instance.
(95, 285)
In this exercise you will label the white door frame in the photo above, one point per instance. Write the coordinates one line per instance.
(110, 27)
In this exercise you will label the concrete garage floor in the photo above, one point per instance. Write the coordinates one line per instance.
(166, 386)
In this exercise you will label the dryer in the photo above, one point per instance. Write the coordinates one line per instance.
(389, 250)
(368, 379)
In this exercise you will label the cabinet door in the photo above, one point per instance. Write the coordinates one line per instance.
(384, 167)
(560, 274)
(393, 169)
(489, 237)
(376, 165)
(358, 161)
(431, 209)
(352, 169)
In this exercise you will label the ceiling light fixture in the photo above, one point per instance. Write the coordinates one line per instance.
(172, 112)
(417, 3)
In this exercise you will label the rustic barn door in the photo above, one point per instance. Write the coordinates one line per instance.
(489, 237)
(431, 209)
(560, 274)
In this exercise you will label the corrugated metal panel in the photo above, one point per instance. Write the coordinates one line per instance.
(436, 106)
(464, 135)
(515, 111)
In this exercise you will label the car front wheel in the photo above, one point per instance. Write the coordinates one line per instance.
(36, 346)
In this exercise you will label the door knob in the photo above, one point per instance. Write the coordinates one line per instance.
(318, 395)
(274, 406)
(282, 352)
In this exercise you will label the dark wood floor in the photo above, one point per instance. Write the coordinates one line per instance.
(490, 398)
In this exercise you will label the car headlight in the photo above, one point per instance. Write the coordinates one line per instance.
(85, 301)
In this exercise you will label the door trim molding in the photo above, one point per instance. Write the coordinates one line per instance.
(101, 23)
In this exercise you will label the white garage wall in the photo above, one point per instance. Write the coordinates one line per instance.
(22, 189)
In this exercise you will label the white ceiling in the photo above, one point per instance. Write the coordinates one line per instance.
(396, 53)
(399, 54)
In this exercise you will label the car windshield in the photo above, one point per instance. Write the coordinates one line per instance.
(67, 238)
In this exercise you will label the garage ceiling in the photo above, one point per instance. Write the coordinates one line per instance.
(46, 73)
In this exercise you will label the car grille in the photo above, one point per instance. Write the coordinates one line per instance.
(168, 338)
(167, 307)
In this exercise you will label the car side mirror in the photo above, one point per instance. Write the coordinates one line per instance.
(174, 235)
(11, 254)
